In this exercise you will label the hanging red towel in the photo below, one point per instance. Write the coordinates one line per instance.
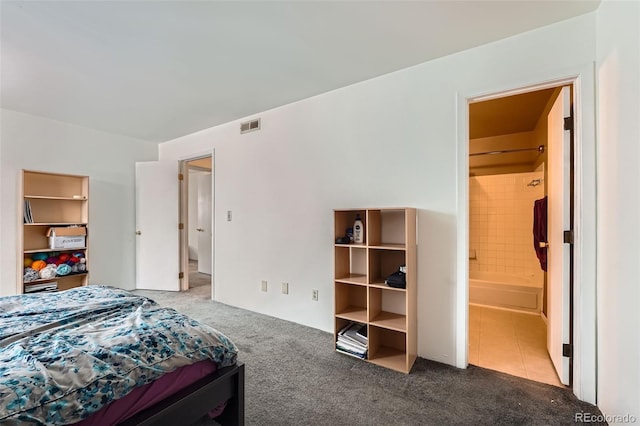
(540, 230)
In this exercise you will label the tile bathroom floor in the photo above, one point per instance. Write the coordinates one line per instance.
(510, 342)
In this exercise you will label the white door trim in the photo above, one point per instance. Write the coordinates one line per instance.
(584, 317)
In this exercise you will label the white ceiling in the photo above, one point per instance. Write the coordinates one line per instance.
(157, 70)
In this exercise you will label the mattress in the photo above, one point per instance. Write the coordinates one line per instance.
(65, 356)
(147, 395)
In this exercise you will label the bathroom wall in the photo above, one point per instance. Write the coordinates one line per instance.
(501, 224)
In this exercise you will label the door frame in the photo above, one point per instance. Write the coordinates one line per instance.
(183, 202)
(584, 268)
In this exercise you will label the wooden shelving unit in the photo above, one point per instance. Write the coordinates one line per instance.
(361, 294)
(55, 200)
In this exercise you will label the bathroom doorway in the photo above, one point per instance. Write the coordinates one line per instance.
(508, 192)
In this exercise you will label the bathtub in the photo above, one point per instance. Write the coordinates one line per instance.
(518, 292)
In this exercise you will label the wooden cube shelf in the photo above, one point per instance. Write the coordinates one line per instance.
(361, 294)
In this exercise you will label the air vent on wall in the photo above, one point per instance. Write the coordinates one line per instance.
(250, 126)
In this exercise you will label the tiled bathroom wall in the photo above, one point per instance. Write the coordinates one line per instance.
(501, 223)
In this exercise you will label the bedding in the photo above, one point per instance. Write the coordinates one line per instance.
(64, 356)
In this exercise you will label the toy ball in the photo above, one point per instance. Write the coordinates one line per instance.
(28, 261)
(30, 274)
(53, 260)
(40, 256)
(48, 272)
(64, 257)
(73, 259)
(63, 269)
(38, 264)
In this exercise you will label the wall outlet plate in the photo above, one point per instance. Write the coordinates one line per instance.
(285, 288)
(314, 294)
(263, 285)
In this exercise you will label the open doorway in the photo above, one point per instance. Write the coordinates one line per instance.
(509, 184)
(197, 214)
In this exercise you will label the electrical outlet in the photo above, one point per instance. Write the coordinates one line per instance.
(229, 216)
(264, 285)
(285, 288)
(314, 294)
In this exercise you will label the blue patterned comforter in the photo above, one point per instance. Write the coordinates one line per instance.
(63, 356)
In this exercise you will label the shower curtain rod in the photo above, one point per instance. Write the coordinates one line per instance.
(540, 149)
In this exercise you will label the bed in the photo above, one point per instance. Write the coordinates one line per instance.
(100, 355)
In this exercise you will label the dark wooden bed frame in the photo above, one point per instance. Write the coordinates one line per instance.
(195, 401)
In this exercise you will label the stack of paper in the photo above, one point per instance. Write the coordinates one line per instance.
(352, 340)
(41, 287)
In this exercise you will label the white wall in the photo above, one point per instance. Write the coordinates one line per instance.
(389, 141)
(618, 68)
(29, 142)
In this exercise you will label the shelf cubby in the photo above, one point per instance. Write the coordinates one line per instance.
(351, 302)
(387, 309)
(387, 228)
(52, 185)
(344, 219)
(388, 348)
(384, 262)
(50, 210)
(351, 264)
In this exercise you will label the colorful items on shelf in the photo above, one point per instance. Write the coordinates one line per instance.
(53, 264)
(38, 264)
(30, 274)
(40, 256)
(48, 271)
(63, 269)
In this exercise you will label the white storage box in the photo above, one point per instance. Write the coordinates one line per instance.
(67, 237)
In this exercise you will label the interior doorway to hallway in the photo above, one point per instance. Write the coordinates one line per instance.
(197, 218)
(513, 172)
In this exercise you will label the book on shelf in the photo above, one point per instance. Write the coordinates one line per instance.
(356, 332)
(28, 217)
(351, 348)
(41, 287)
(364, 356)
(362, 332)
(351, 343)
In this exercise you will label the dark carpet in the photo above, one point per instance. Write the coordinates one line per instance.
(294, 377)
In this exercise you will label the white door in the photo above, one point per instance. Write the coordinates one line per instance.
(204, 223)
(558, 220)
(157, 244)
